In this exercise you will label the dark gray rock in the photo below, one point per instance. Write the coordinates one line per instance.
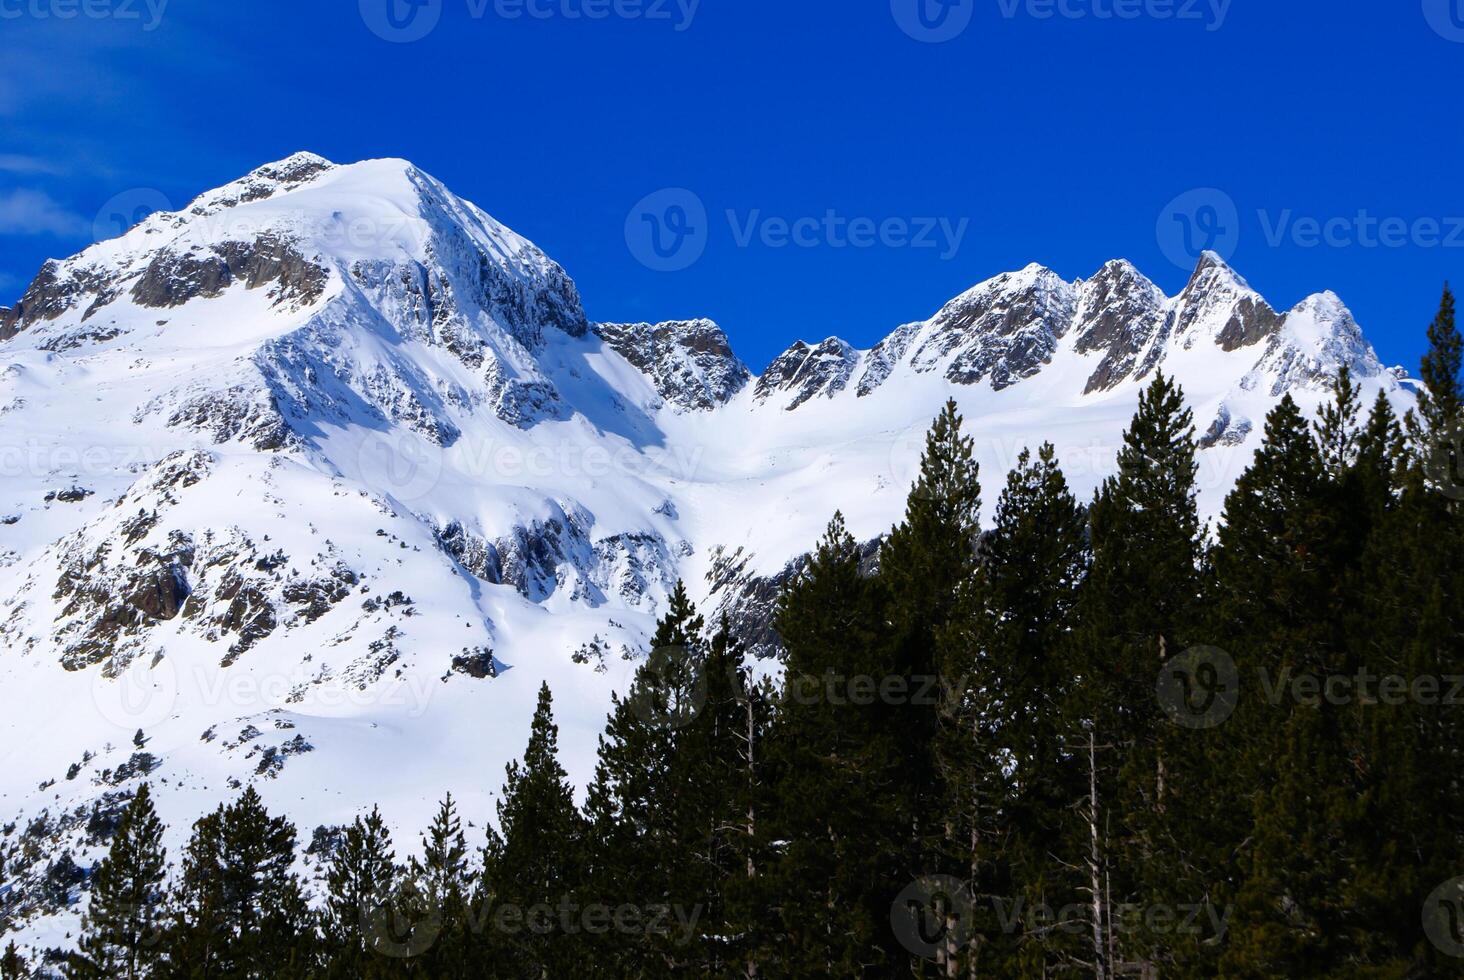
(1120, 313)
(172, 279)
(804, 372)
(1005, 330)
(690, 362)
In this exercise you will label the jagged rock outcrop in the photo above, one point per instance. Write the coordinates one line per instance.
(172, 279)
(690, 362)
(1120, 314)
(802, 372)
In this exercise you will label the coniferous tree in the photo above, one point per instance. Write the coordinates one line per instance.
(1140, 609)
(632, 807)
(1441, 401)
(716, 799)
(1015, 782)
(836, 812)
(538, 872)
(1279, 608)
(121, 932)
(12, 965)
(924, 563)
(241, 912)
(360, 881)
(441, 886)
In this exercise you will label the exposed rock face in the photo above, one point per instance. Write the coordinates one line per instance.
(889, 352)
(172, 279)
(1122, 314)
(1218, 306)
(801, 372)
(690, 362)
(1226, 430)
(1003, 330)
(56, 289)
(1314, 340)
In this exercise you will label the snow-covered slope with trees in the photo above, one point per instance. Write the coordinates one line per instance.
(312, 483)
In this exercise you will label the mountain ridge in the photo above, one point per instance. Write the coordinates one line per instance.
(329, 471)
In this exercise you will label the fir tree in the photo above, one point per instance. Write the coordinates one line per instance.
(121, 931)
(1014, 783)
(540, 867)
(1140, 609)
(360, 880)
(441, 887)
(1337, 431)
(631, 806)
(241, 912)
(1440, 402)
(1279, 587)
(12, 965)
(836, 799)
(924, 563)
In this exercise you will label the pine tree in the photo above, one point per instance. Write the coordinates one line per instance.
(924, 563)
(1140, 609)
(121, 931)
(241, 912)
(631, 804)
(441, 886)
(1015, 782)
(12, 965)
(715, 800)
(1279, 592)
(836, 765)
(1441, 401)
(1337, 431)
(360, 881)
(539, 870)
(1436, 427)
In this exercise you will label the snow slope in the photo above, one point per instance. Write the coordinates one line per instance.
(315, 481)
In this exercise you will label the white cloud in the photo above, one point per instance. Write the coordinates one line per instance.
(16, 163)
(30, 212)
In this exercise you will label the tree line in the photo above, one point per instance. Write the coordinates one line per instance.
(1093, 739)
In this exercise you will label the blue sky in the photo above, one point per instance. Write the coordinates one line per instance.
(876, 157)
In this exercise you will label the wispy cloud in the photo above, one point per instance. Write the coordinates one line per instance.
(17, 163)
(32, 212)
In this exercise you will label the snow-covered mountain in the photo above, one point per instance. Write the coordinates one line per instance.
(316, 480)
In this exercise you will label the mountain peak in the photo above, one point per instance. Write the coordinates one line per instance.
(1211, 268)
(689, 362)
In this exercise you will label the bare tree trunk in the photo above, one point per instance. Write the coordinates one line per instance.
(751, 970)
(1095, 865)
